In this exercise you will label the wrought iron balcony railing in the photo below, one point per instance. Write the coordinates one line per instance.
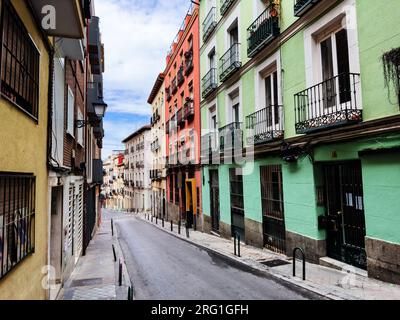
(225, 5)
(261, 32)
(209, 82)
(302, 6)
(331, 103)
(168, 93)
(265, 125)
(231, 137)
(230, 62)
(209, 146)
(174, 86)
(180, 118)
(209, 24)
(188, 110)
(189, 62)
(180, 76)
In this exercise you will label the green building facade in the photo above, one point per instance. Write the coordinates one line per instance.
(300, 128)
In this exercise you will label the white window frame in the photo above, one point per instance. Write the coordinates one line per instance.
(70, 112)
(228, 102)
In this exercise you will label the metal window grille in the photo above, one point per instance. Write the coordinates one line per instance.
(78, 242)
(19, 63)
(17, 219)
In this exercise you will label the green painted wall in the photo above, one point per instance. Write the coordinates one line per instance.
(301, 211)
(381, 179)
(293, 78)
(206, 193)
(224, 194)
(378, 30)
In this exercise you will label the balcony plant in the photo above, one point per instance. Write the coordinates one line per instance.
(391, 71)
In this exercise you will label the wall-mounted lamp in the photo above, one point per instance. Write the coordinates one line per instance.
(100, 110)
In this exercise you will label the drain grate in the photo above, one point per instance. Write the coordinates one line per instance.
(275, 263)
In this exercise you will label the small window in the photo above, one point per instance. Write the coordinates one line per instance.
(70, 115)
(17, 219)
(19, 63)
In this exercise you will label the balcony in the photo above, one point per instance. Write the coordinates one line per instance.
(231, 137)
(209, 147)
(181, 76)
(188, 109)
(302, 6)
(329, 104)
(168, 93)
(180, 118)
(155, 146)
(95, 46)
(230, 62)
(265, 125)
(225, 6)
(174, 87)
(261, 32)
(210, 23)
(209, 82)
(140, 165)
(188, 62)
(155, 174)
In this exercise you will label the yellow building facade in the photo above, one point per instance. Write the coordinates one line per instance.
(23, 150)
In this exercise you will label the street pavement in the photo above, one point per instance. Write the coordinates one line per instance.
(163, 267)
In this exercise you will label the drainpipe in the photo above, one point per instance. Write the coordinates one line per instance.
(85, 184)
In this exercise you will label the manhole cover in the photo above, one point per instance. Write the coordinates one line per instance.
(87, 282)
(275, 263)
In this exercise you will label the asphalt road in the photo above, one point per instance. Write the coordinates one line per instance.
(163, 267)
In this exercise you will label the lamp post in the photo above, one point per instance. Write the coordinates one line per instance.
(100, 111)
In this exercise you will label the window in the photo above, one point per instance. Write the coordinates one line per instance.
(19, 63)
(70, 112)
(177, 189)
(272, 98)
(80, 130)
(17, 219)
(171, 186)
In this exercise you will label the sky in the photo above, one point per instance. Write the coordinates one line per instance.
(137, 35)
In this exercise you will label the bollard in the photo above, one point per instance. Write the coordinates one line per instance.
(112, 227)
(234, 244)
(239, 245)
(195, 223)
(156, 220)
(130, 294)
(179, 227)
(163, 222)
(304, 262)
(152, 219)
(187, 230)
(115, 255)
(172, 226)
(120, 273)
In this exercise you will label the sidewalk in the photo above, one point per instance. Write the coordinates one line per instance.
(350, 284)
(96, 275)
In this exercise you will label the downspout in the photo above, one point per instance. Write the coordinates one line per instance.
(85, 187)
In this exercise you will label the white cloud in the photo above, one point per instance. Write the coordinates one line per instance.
(137, 36)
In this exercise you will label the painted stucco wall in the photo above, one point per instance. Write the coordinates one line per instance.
(23, 148)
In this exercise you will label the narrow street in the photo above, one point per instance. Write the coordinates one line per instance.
(163, 267)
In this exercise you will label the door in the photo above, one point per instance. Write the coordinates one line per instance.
(274, 231)
(214, 201)
(345, 214)
(237, 203)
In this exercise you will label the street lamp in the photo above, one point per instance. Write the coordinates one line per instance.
(100, 111)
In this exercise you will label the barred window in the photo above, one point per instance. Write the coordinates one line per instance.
(17, 219)
(19, 63)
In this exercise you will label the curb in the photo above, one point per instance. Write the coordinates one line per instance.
(260, 270)
(121, 291)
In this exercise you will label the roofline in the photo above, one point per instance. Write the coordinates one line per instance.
(136, 133)
(156, 88)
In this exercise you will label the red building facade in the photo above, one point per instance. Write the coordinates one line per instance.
(182, 114)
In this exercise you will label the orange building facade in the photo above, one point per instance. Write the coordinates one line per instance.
(182, 116)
